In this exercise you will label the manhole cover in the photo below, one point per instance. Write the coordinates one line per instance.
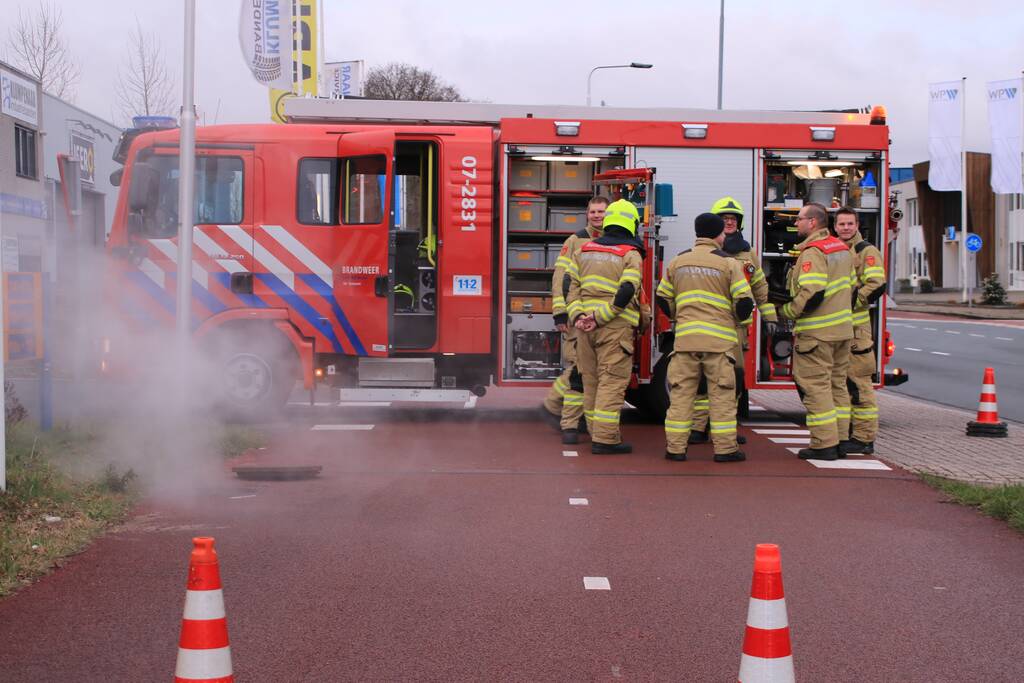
(277, 473)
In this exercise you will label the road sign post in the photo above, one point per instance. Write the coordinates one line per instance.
(973, 243)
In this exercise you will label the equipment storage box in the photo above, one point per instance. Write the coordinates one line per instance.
(527, 175)
(554, 250)
(529, 256)
(529, 304)
(533, 350)
(527, 213)
(566, 220)
(571, 175)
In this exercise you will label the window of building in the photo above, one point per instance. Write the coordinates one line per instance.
(364, 179)
(912, 211)
(317, 194)
(25, 152)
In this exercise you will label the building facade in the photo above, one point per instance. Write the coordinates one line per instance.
(24, 215)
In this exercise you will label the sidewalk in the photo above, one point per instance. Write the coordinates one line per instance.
(925, 437)
(947, 302)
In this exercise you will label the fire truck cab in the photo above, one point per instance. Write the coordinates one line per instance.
(409, 246)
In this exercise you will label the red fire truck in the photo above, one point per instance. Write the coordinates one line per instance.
(408, 246)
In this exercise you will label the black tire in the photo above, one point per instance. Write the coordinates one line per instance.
(254, 373)
(655, 394)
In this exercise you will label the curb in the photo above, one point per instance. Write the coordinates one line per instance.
(978, 314)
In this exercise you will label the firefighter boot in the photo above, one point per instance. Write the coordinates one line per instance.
(735, 456)
(699, 437)
(570, 436)
(677, 457)
(598, 448)
(831, 453)
(856, 447)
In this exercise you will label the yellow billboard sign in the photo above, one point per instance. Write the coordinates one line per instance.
(307, 58)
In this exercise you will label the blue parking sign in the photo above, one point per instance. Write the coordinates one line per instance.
(973, 243)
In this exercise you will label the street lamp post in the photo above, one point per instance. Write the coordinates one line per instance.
(631, 65)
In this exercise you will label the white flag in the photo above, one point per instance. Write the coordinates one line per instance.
(265, 33)
(1005, 114)
(945, 134)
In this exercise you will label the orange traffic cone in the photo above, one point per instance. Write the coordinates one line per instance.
(767, 653)
(203, 650)
(988, 423)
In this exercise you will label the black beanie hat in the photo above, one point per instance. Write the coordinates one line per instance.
(708, 225)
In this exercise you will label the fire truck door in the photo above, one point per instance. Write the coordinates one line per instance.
(363, 286)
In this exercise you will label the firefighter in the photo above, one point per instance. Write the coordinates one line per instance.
(819, 284)
(867, 289)
(731, 211)
(705, 292)
(604, 283)
(563, 406)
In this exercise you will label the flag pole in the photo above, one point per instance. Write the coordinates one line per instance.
(963, 189)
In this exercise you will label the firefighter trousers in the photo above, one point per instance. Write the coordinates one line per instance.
(701, 405)
(864, 418)
(565, 398)
(605, 360)
(684, 372)
(820, 369)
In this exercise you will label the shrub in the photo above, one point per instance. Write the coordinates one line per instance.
(925, 285)
(993, 292)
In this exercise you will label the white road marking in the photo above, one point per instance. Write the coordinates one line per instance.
(470, 402)
(251, 495)
(793, 450)
(971, 334)
(319, 404)
(769, 424)
(596, 583)
(579, 501)
(910, 348)
(939, 353)
(951, 332)
(850, 464)
(931, 329)
(569, 454)
(910, 326)
(1005, 338)
(790, 440)
(783, 432)
(341, 428)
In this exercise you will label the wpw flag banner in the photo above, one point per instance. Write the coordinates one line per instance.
(945, 134)
(265, 33)
(1005, 118)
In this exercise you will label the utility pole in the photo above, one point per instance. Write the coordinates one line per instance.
(186, 199)
(721, 48)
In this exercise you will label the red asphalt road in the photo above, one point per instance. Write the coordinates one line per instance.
(441, 546)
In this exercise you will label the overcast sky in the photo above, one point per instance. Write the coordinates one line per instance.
(783, 54)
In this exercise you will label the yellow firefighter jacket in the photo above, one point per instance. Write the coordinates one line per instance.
(706, 294)
(569, 247)
(869, 285)
(820, 283)
(597, 273)
(758, 284)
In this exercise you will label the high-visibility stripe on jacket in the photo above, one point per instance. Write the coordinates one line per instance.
(819, 285)
(869, 274)
(564, 260)
(596, 274)
(702, 288)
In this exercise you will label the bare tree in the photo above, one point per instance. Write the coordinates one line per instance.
(42, 51)
(397, 81)
(144, 84)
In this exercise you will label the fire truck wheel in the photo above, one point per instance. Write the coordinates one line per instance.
(255, 375)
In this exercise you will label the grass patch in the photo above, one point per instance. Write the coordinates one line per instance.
(47, 514)
(236, 439)
(1002, 502)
